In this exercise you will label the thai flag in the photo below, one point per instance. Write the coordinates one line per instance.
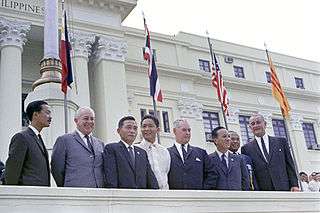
(155, 90)
(65, 58)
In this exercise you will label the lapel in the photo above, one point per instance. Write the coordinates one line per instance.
(258, 150)
(77, 137)
(231, 161)
(272, 147)
(124, 151)
(37, 141)
(221, 166)
(175, 151)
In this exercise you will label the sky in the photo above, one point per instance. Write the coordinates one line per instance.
(290, 27)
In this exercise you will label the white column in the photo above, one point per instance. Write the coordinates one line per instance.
(81, 48)
(298, 142)
(191, 110)
(12, 39)
(50, 29)
(109, 95)
(268, 118)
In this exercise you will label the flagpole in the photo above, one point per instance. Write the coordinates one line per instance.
(212, 59)
(287, 131)
(156, 115)
(65, 94)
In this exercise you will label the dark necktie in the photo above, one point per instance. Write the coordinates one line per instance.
(89, 144)
(264, 149)
(41, 143)
(130, 148)
(223, 160)
(184, 152)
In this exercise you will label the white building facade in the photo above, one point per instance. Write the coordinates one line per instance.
(111, 77)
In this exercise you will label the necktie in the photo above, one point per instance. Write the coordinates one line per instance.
(184, 152)
(264, 149)
(130, 148)
(41, 143)
(89, 144)
(223, 160)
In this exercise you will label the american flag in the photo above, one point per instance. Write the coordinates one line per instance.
(65, 57)
(155, 90)
(217, 82)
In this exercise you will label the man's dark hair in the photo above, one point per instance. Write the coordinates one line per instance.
(148, 116)
(215, 131)
(123, 119)
(34, 106)
(302, 173)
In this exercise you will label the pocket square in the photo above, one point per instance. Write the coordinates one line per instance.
(280, 150)
(197, 159)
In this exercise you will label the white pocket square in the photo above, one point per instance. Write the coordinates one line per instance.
(197, 159)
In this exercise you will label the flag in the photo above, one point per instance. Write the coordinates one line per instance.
(277, 90)
(65, 47)
(217, 82)
(155, 90)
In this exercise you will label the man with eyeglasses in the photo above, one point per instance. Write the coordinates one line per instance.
(273, 165)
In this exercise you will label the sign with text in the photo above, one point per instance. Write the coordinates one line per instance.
(28, 6)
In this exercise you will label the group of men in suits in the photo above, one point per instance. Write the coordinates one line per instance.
(81, 160)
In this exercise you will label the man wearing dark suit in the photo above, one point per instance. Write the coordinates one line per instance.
(271, 157)
(234, 147)
(231, 168)
(1, 173)
(190, 166)
(76, 159)
(28, 162)
(125, 165)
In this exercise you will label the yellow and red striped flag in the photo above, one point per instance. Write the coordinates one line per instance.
(277, 90)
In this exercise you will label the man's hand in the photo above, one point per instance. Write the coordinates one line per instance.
(295, 189)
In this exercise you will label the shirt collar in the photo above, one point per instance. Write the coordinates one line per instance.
(178, 145)
(81, 134)
(34, 130)
(265, 138)
(220, 153)
(147, 144)
(127, 145)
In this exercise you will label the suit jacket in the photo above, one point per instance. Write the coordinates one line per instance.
(279, 173)
(121, 173)
(28, 162)
(252, 177)
(197, 172)
(74, 165)
(235, 177)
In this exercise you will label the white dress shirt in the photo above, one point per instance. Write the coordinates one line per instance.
(266, 143)
(159, 159)
(179, 148)
(83, 137)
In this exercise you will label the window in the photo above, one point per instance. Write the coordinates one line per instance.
(268, 77)
(279, 128)
(25, 120)
(299, 83)
(153, 51)
(246, 133)
(164, 120)
(309, 135)
(204, 65)
(210, 121)
(238, 72)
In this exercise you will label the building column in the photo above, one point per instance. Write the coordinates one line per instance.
(298, 142)
(191, 110)
(12, 39)
(81, 46)
(109, 95)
